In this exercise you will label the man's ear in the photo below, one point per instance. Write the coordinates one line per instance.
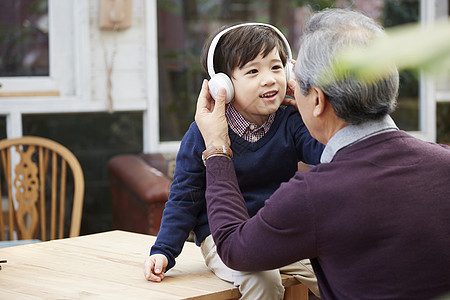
(319, 102)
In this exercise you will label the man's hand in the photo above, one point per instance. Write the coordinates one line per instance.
(154, 267)
(289, 99)
(210, 117)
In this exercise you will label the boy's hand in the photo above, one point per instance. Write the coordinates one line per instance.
(210, 117)
(154, 267)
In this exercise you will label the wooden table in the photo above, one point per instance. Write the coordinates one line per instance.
(109, 266)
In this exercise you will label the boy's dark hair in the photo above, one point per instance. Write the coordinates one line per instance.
(241, 45)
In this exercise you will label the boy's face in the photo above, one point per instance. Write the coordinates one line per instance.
(259, 87)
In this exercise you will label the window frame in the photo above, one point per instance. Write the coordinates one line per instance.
(67, 88)
(151, 140)
(427, 95)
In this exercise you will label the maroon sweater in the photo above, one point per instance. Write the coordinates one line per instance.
(375, 221)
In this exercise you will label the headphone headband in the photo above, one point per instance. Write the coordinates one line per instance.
(215, 41)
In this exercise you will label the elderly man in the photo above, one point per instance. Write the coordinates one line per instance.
(373, 217)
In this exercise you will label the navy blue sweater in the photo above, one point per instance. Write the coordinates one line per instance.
(260, 168)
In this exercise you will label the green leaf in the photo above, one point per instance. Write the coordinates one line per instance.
(410, 46)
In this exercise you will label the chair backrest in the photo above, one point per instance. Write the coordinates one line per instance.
(36, 191)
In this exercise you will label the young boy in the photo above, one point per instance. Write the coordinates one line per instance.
(267, 142)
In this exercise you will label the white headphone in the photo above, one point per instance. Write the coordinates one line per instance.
(222, 80)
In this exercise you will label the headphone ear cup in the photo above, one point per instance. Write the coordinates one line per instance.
(221, 80)
(289, 69)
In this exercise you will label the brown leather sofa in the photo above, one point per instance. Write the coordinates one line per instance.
(139, 190)
(140, 186)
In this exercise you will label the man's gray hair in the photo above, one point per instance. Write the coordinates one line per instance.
(353, 100)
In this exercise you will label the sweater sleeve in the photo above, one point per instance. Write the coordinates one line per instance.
(309, 149)
(186, 198)
(281, 233)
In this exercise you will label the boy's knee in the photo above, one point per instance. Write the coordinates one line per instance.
(261, 285)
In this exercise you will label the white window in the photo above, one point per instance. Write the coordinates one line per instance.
(434, 90)
(178, 30)
(65, 84)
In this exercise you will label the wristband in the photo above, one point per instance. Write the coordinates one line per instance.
(217, 151)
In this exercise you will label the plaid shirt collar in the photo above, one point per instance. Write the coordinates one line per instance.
(246, 130)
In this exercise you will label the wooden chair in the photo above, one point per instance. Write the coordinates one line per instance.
(36, 203)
